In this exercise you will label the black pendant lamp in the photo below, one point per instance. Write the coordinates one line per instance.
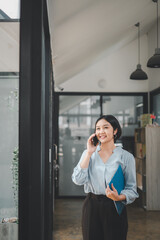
(154, 62)
(138, 74)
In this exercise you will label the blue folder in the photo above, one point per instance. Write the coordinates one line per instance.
(119, 183)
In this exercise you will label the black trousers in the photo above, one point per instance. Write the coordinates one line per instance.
(100, 220)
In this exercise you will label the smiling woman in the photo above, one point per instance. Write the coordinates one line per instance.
(95, 170)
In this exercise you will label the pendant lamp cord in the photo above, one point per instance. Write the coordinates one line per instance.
(138, 25)
(139, 43)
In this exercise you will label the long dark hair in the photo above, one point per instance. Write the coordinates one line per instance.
(114, 123)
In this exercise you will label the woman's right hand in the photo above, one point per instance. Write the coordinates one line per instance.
(90, 149)
(90, 146)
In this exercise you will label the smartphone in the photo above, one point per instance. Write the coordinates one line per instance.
(95, 140)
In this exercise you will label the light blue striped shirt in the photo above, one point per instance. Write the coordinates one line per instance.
(97, 176)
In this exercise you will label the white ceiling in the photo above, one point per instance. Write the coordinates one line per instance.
(83, 32)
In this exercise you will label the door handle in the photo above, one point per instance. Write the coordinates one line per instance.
(55, 164)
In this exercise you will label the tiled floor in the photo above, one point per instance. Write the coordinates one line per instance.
(143, 225)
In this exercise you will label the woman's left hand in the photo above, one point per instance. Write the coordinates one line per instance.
(112, 194)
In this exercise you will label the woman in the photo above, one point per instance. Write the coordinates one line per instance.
(97, 166)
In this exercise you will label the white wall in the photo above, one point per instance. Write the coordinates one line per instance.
(113, 72)
(9, 47)
(153, 73)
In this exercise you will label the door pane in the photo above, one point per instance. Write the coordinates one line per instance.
(77, 116)
(9, 155)
(9, 108)
(127, 109)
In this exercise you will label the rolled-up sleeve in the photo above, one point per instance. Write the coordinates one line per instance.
(130, 190)
(80, 175)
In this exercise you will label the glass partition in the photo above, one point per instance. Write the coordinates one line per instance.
(77, 116)
(127, 109)
(9, 124)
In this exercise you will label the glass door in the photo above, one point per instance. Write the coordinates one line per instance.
(77, 116)
(9, 119)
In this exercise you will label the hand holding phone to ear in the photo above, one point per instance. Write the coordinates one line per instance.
(92, 144)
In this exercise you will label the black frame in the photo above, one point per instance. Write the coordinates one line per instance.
(7, 18)
(101, 94)
(35, 91)
(55, 139)
(9, 74)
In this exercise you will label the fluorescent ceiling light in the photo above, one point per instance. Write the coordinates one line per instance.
(139, 105)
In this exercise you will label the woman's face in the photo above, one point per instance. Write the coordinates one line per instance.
(104, 131)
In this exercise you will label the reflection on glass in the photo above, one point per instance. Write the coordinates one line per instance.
(76, 122)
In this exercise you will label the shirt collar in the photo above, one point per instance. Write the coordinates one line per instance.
(116, 149)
